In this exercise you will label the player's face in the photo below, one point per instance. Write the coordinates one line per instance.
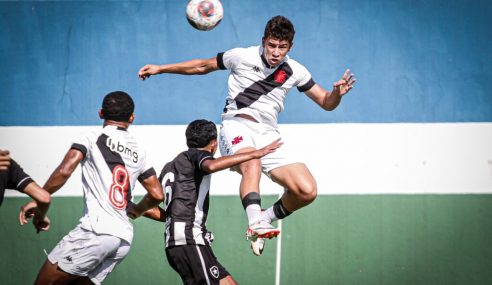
(275, 50)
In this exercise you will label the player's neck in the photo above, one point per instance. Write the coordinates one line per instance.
(123, 125)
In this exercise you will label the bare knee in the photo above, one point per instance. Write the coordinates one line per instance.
(307, 192)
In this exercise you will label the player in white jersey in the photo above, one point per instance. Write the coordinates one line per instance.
(260, 77)
(112, 162)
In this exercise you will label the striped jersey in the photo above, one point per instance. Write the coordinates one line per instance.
(187, 198)
(257, 89)
(13, 178)
(112, 163)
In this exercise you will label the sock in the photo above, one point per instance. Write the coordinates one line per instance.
(252, 205)
(276, 212)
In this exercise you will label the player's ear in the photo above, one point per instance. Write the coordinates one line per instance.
(132, 117)
(263, 42)
(291, 44)
(214, 145)
(101, 116)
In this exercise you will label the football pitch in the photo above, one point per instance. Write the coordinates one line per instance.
(339, 239)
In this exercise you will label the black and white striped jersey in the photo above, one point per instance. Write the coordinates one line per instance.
(13, 178)
(187, 198)
(257, 89)
(112, 163)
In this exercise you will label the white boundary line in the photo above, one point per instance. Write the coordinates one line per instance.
(279, 252)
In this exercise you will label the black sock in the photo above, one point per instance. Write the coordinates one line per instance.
(251, 198)
(279, 210)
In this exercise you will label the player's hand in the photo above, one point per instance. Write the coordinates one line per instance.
(4, 159)
(344, 85)
(41, 224)
(131, 211)
(148, 70)
(269, 148)
(27, 212)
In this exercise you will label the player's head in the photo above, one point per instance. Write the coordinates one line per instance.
(117, 106)
(277, 39)
(200, 133)
(280, 28)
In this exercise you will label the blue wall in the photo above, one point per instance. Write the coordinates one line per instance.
(415, 61)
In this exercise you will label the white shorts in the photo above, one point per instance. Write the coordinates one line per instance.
(85, 253)
(237, 133)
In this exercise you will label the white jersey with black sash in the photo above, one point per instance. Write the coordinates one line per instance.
(187, 198)
(258, 89)
(112, 163)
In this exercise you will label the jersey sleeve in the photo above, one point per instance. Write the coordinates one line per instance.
(229, 59)
(199, 156)
(146, 170)
(82, 144)
(305, 81)
(17, 178)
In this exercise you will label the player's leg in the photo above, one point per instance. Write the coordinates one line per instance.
(237, 136)
(196, 264)
(76, 255)
(249, 188)
(82, 281)
(115, 257)
(51, 274)
(300, 187)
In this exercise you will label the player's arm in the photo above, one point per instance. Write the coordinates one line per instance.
(56, 180)
(4, 159)
(224, 162)
(152, 199)
(36, 209)
(63, 172)
(191, 67)
(330, 100)
(156, 214)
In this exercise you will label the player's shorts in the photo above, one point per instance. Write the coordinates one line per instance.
(237, 133)
(196, 264)
(84, 253)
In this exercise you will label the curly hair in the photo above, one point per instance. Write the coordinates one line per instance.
(281, 28)
(200, 133)
(117, 106)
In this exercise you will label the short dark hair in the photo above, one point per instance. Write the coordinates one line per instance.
(200, 133)
(281, 28)
(117, 106)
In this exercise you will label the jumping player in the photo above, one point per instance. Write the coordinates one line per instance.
(260, 79)
(186, 180)
(12, 176)
(111, 162)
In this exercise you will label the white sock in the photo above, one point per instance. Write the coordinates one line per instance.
(253, 212)
(269, 215)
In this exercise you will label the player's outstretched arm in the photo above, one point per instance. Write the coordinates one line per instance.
(36, 209)
(152, 199)
(191, 67)
(330, 100)
(224, 162)
(4, 159)
(57, 179)
(63, 172)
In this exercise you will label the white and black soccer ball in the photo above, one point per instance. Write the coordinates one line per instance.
(204, 15)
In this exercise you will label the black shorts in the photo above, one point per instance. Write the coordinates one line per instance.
(196, 264)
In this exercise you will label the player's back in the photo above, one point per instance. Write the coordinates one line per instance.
(187, 198)
(113, 162)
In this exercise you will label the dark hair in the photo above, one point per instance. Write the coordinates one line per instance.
(281, 28)
(200, 133)
(117, 106)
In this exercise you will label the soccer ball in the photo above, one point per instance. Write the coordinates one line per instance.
(204, 15)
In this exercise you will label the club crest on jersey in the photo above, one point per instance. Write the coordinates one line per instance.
(116, 146)
(280, 76)
(237, 140)
(214, 270)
